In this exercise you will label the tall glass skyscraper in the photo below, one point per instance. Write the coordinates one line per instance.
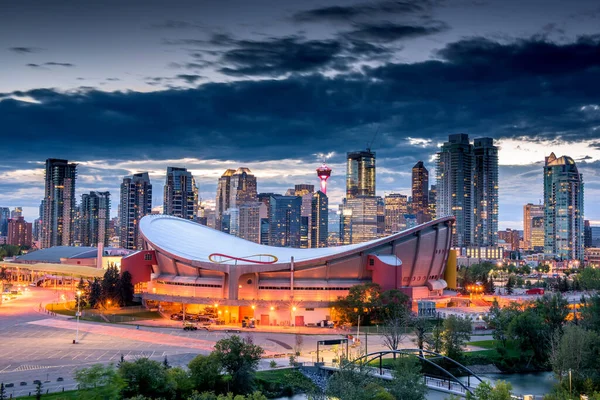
(320, 220)
(563, 213)
(59, 203)
(136, 202)
(533, 218)
(420, 192)
(95, 218)
(360, 174)
(180, 194)
(485, 192)
(284, 221)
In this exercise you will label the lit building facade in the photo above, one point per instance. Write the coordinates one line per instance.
(19, 232)
(95, 219)
(223, 197)
(242, 188)
(485, 192)
(531, 211)
(59, 203)
(4, 217)
(420, 192)
(432, 201)
(320, 223)
(563, 213)
(364, 218)
(511, 237)
(180, 194)
(396, 206)
(360, 174)
(136, 202)
(249, 221)
(285, 221)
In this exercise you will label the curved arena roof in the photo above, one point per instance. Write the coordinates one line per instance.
(194, 242)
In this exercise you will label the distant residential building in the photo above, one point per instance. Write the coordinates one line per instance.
(420, 192)
(223, 197)
(396, 206)
(432, 201)
(136, 202)
(537, 234)
(360, 174)
(485, 192)
(563, 213)
(59, 203)
(592, 257)
(284, 221)
(249, 221)
(531, 211)
(16, 213)
(511, 237)
(587, 234)
(4, 217)
(19, 232)
(320, 223)
(180, 194)
(95, 218)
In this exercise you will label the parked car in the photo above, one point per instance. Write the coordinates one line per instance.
(177, 316)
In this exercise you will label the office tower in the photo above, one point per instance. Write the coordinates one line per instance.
(395, 209)
(304, 232)
(485, 192)
(95, 218)
(380, 216)
(77, 226)
(563, 213)
(587, 234)
(4, 217)
(242, 188)
(284, 221)
(360, 174)
(320, 220)
(345, 224)
(136, 202)
(113, 228)
(180, 194)
(432, 201)
(302, 189)
(510, 237)
(223, 197)
(595, 236)
(19, 232)
(455, 187)
(16, 213)
(364, 218)
(249, 221)
(333, 222)
(59, 203)
(323, 172)
(537, 234)
(264, 231)
(232, 216)
(420, 193)
(37, 229)
(531, 211)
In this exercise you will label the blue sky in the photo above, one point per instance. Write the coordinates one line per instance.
(122, 87)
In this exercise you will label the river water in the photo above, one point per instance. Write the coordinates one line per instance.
(537, 384)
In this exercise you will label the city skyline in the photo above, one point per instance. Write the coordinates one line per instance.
(280, 89)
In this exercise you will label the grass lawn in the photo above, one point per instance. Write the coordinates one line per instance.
(62, 308)
(282, 382)
(66, 395)
(142, 315)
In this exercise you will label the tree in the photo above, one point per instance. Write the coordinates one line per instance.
(455, 333)
(125, 289)
(180, 381)
(2, 391)
(354, 383)
(394, 327)
(590, 313)
(510, 284)
(527, 328)
(95, 293)
(362, 301)
(553, 308)
(408, 384)
(145, 377)
(110, 283)
(38, 390)
(419, 325)
(589, 278)
(205, 372)
(99, 382)
(502, 390)
(298, 344)
(240, 359)
(80, 299)
(498, 319)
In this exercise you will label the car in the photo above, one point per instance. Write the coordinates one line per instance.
(191, 317)
(177, 317)
(190, 327)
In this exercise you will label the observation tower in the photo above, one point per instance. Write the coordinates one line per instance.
(324, 172)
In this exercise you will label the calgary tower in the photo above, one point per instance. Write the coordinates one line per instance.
(324, 172)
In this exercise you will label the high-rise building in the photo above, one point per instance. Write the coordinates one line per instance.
(537, 234)
(304, 188)
(510, 237)
(345, 224)
(364, 218)
(360, 174)
(242, 188)
(59, 203)
(587, 234)
(380, 216)
(4, 217)
(455, 187)
(563, 213)
(323, 172)
(284, 221)
(223, 197)
(249, 221)
(420, 193)
(432, 201)
(16, 213)
(320, 220)
(19, 232)
(304, 232)
(180, 194)
(485, 192)
(395, 209)
(531, 211)
(136, 202)
(95, 218)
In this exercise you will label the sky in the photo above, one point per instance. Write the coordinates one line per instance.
(121, 87)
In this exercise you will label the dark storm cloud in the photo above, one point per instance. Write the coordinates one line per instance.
(25, 50)
(362, 10)
(386, 32)
(50, 64)
(307, 114)
(189, 78)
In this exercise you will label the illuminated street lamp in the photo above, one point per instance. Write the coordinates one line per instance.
(78, 314)
(293, 316)
(253, 308)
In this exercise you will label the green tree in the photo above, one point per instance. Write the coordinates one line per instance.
(590, 313)
(419, 325)
(181, 382)
(354, 383)
(499, 319)
(38, 390)
(147, 378)
(589, 278)
(99, 382)
(95, 293)
(82, 288)
(553, 308)
(455, 333)
(362, 301)
(395, 318)
(510, 284)
(408, 383)
(528, 330)
(2, 391)
(502, 390)
(205, 372)
(125, 289)
(110, 283)
(239, 358)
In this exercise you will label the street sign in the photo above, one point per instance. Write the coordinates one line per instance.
(332, 342)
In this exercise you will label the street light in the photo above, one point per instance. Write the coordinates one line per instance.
(293, 316)
(78, 313)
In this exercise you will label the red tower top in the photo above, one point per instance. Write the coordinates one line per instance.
(324, 172)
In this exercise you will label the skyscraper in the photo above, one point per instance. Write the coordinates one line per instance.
(303, 188)
(59, 203)
(180, 194)
(320, 220)
(16, 213)
(455, 187)
(249, 221)
(432, 201)
(360, 174)
(242, 188)
(485, 192)
(563, 213)
(136, 202)
(420, 192)
(531, 211)
(395, 209)
(19, 232)
(364, 218)
(223, 197)
(284, 221)
(95, 218)
(587, 234)
(4, 217)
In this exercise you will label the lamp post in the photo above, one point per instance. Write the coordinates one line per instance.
(294, 316)
(78, 313)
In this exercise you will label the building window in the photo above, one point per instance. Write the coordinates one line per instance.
(148, 257)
